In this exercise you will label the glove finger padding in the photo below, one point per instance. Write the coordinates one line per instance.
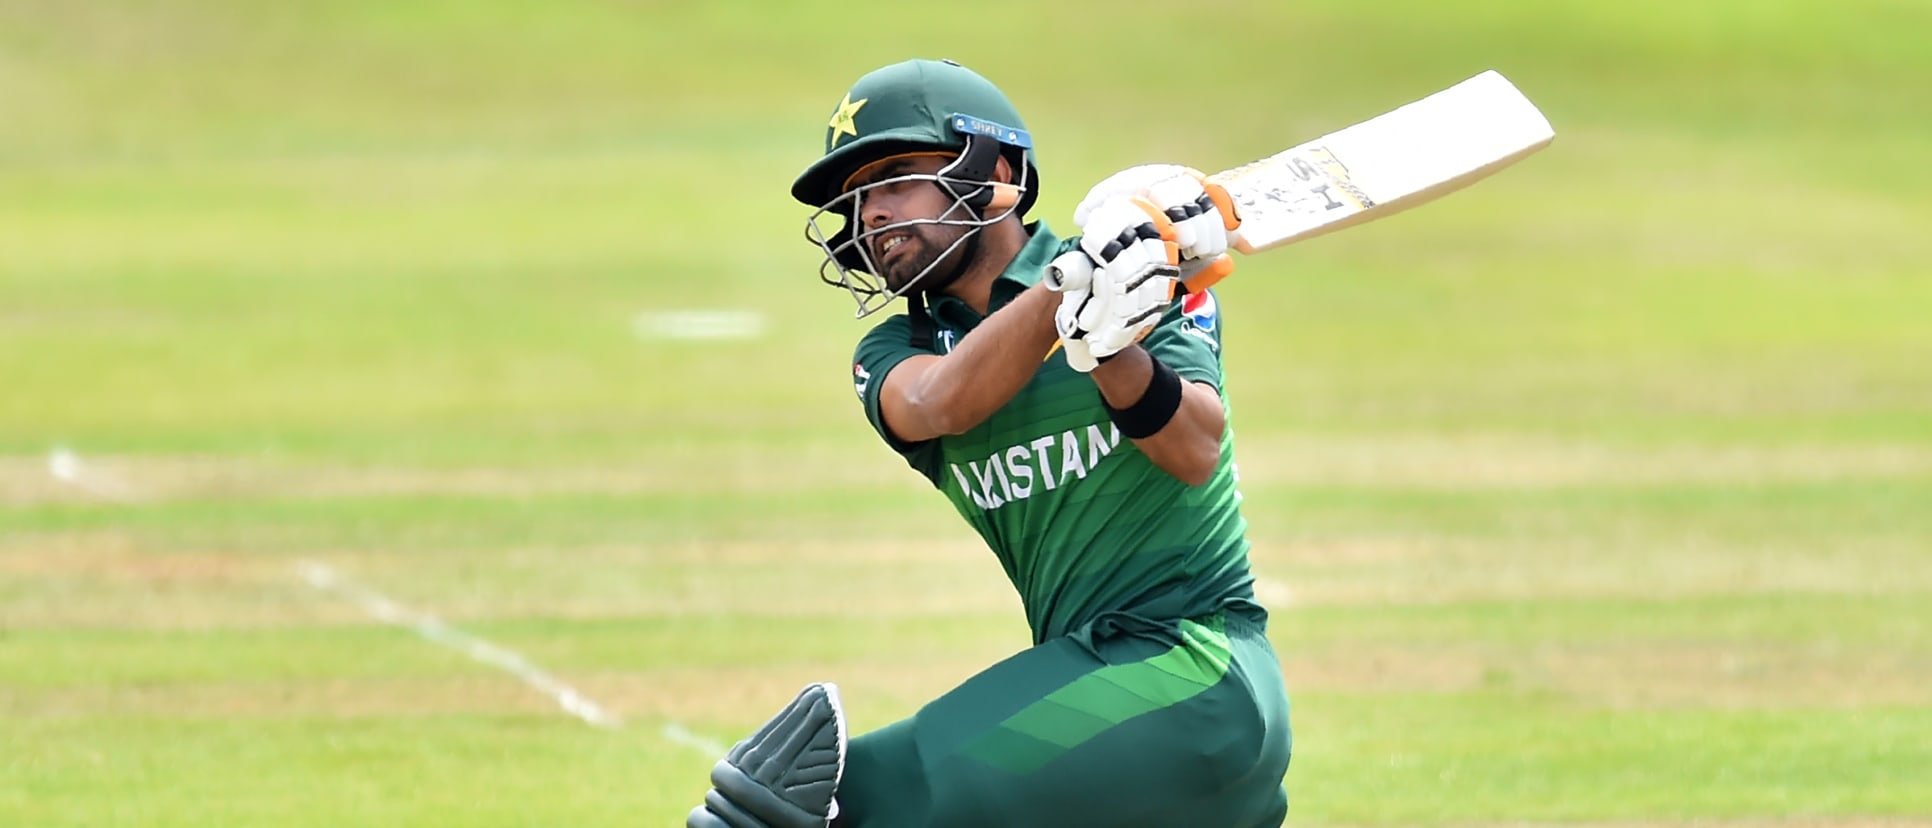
(1142, 302)
(1141, 292)
(1132, 181)
(1145, 281)
(1200, 210)
(1179, 198)
(1081, 312)
(1066, 319)
(1199, 226)
(1134, 243)
(1079, 355)
(1120, 225)
(1210, 237)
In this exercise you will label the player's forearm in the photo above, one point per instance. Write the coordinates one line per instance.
(989, 365)
(1187, 446)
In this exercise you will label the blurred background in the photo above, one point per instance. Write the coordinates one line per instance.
(1600, 492)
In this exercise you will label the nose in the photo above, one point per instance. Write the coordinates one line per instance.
(874, 210)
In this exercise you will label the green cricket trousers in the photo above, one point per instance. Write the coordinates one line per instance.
(1127, 723)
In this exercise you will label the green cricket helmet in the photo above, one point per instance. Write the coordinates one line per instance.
(918, 106)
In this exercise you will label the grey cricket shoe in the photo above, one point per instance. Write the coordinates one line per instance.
(787, 774)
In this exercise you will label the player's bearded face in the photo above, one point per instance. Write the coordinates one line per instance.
(906, 252)
(913, 226)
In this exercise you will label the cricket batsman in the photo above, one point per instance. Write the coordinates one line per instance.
(1073, 413)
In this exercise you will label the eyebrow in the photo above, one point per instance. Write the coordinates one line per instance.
(892, 169)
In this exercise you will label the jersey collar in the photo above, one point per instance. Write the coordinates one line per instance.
(1026, 270)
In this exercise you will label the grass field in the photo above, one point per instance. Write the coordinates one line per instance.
(1601, 492)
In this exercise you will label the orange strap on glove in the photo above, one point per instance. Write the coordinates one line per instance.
(1203, 214)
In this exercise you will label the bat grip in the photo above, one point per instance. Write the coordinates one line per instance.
(1214, 271)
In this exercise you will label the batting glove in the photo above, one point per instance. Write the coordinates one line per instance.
(1115, 288)
(1203, 214)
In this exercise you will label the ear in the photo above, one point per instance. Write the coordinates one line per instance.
(1005, 193)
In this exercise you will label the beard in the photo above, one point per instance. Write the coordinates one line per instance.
(925, 252)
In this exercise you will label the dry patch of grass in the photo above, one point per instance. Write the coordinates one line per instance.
(109, 579)
(1411, 570)
(726, 699)
(864, 578)
(1478, 462)
(723, 699)
(1369, 668)
(118, 557)
(1798, 822)
(486, 692)
(1473, 462)
(1648, 675)
(736, 469)
(105, 578)
(959, 546)
(1690, 675)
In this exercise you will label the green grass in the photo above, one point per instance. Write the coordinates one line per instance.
(1600, 492)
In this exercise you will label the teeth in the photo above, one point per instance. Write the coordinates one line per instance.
(891, 243)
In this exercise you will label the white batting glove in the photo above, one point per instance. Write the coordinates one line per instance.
(1204, 216)
(1071, 275)
(1124, 297)
(1132, 181)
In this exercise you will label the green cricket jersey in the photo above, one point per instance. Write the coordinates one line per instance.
(1083, 523)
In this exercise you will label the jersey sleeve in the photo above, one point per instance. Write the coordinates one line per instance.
(1188, 339)
(887, 345)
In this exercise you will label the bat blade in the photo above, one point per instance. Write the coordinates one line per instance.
(1409, 156)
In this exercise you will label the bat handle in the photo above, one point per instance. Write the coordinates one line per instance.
(1214, 271)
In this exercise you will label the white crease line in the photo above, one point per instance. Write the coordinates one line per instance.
(67, 467)
(699, 324)
(677, 733)
(379, 606)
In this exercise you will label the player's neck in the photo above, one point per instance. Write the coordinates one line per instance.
(999, 244)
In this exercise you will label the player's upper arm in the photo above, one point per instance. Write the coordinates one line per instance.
(884, 360)
(900, 409)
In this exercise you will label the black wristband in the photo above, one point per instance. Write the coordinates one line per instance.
(1156, 406)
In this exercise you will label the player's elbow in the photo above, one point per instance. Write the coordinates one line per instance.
(947, 423)
(1199, 468)
(1197, 442)
(942, 415)
(1194, 461)
(1195, 478)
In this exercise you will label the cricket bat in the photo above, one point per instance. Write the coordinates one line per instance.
(1412, 155)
